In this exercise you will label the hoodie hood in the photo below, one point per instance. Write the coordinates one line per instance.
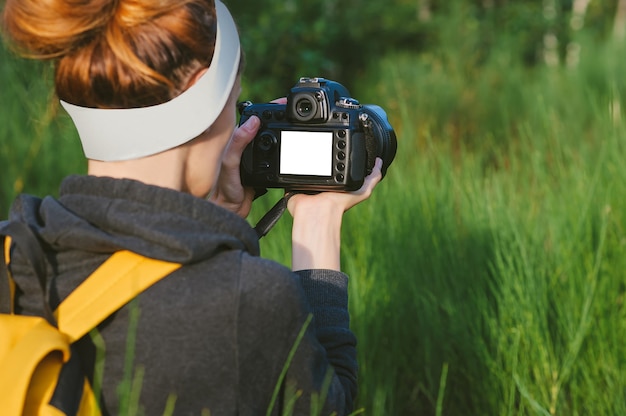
(103, 215)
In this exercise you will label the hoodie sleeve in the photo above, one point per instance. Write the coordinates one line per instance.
(276, 335)
(327, 294)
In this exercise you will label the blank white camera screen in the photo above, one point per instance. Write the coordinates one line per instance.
(306, 153)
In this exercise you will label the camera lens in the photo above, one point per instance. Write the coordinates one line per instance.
(304, 108)
(266, 141)
(379, 136)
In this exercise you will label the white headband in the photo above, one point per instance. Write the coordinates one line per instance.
(131, 133)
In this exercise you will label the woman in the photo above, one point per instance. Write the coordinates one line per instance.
(152, 89)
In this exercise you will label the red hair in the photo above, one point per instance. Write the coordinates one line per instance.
(115, 53)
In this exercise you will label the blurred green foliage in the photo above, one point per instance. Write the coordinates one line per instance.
(286, 39)
(455, 40)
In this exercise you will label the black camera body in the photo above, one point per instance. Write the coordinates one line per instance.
(321, 140)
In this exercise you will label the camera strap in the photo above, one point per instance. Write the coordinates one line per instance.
(272, 216)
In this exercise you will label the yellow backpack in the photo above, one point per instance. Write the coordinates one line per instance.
(37, 375)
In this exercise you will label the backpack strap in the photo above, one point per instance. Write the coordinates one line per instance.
(7, 285)
(25, 240)
(115, 283)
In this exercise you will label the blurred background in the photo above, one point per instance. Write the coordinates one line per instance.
(487, 270)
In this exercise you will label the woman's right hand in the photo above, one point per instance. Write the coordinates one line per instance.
(229, 192)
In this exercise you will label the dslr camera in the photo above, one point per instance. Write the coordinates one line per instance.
(321, 140)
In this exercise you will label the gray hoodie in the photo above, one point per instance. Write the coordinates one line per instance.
(216, 333)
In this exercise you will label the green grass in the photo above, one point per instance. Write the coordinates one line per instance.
(487, 270)
(488, 267)
(38, 144)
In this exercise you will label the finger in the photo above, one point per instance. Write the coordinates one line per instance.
(372, 179)
(376, 175)
(242, 136)
(282, 100)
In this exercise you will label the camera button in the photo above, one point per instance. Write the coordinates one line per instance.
(339, 177)
(341, 144)
(267, 114)
(346, 102)
(341, 156)
(341, 166)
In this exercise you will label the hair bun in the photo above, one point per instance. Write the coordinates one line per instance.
(115, 53)
(52, 28)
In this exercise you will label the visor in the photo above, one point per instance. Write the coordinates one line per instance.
(131, 133)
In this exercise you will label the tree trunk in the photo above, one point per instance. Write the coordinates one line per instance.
(424, 12)
(579, 11)
(619, 26)
(550, 38)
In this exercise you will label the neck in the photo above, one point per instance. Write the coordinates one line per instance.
(166, 169)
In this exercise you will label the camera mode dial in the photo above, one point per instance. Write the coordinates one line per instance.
(345, 102)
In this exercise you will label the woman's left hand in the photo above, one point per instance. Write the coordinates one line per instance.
(316, 231)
